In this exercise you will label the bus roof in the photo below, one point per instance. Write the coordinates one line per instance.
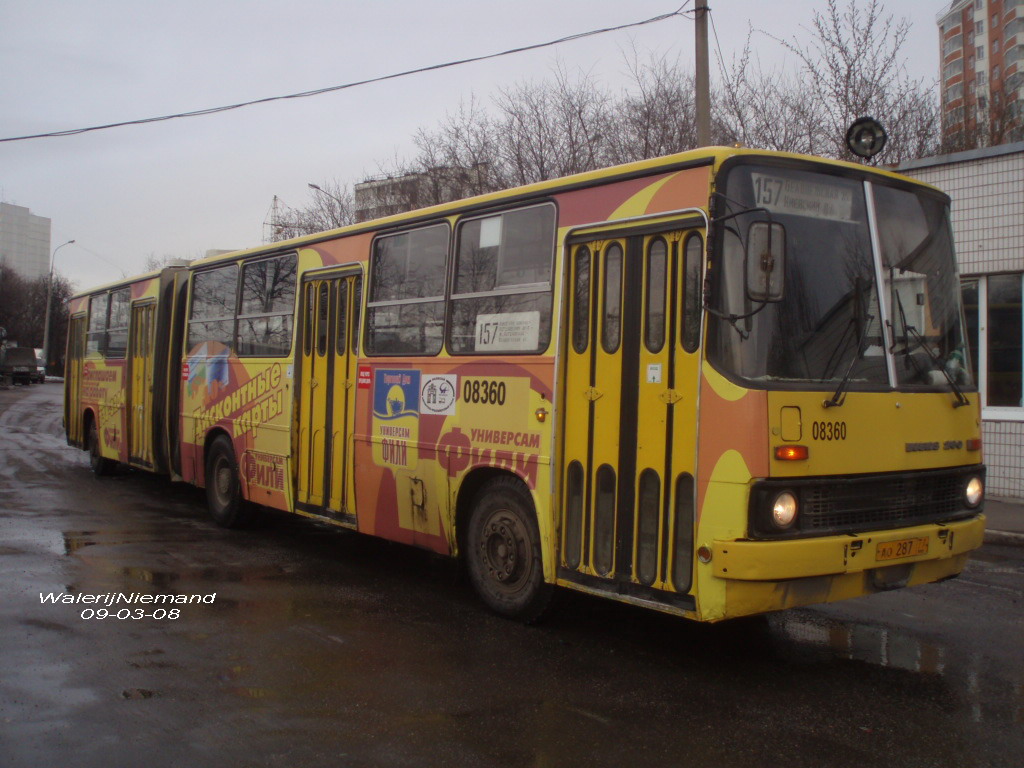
(124, 282)
(713, 156)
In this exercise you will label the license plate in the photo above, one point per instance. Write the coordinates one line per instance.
(894, 550)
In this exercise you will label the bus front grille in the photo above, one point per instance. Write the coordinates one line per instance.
(866, 502)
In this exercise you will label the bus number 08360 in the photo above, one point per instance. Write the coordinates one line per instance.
(484, 392)
(829, 430)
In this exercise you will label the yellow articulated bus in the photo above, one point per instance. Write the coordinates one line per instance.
(715, 384)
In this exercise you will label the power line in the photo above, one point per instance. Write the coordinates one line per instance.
(718, 45)
(344, 86)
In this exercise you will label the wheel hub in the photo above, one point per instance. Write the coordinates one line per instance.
(501, 548)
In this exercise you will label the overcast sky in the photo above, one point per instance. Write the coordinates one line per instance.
(185, 186)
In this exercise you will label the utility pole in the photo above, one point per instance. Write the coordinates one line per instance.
(49, 302)
(703, 105)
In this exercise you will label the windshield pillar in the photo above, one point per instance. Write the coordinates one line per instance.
(884, 304)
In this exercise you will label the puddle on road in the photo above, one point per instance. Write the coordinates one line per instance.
(992, 692)
(877, 646)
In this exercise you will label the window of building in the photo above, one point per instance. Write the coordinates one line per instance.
(953, 69)
(212, 315)
(501, 293)
(405, 311)
(995, 73)
(953, 45)
(980, 51)
(979, 27)
(995, 47)
(268, 303)
(994, 312)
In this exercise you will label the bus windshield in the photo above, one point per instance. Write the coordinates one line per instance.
(827, 328)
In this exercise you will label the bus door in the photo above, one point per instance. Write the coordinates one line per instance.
(631, 409)
(140, 385)
(74, 380)
(326, 391)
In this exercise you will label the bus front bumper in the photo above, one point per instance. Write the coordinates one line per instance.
(747, 560)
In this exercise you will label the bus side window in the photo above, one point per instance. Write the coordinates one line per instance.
(213, 306)
(268, 304)
(501, 297)
(117, 326)
(97, 337)
(405, 312)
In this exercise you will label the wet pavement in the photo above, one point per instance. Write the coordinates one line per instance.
(321, 647)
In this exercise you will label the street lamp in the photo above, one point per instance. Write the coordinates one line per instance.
(325, 192)
(49, 300)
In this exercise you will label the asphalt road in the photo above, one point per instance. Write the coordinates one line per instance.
(321, 647)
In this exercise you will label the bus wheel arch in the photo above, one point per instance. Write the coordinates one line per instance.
(500, 542)
(99, 464)
(222, 479)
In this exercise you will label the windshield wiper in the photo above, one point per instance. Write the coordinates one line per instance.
(839, 396)
(862, 323)
(922, 343)
(961, 398)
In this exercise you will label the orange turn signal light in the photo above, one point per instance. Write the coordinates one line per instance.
(791, 452)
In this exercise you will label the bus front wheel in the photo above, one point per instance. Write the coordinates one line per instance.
(503, 552)
(223, 489)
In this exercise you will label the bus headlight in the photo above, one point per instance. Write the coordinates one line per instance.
(974, 491)
(784, 510)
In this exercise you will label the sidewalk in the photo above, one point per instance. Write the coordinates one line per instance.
(1005, 521)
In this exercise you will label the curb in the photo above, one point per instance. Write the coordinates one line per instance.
(1004, 537)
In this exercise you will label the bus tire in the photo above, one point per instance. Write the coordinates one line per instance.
(503, 552)
(97, 462)
(223, 488)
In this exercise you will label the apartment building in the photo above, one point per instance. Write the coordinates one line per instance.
(980, 49)
(24, 241)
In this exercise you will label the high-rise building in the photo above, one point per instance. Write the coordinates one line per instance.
(24, 242)
(982, 73)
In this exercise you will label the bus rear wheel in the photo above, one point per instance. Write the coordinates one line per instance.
(223, 488)
(100, 466)
(503, 552)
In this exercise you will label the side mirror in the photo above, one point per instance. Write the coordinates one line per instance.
(765, 261)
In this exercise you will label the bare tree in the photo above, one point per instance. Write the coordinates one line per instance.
(332, 206)
(767, 109)
(550, 129)
(23, 308)
(656, 115)
(460, 157)
(852, 66)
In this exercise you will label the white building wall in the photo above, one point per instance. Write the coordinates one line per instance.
(24, 241)
(987, 191)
